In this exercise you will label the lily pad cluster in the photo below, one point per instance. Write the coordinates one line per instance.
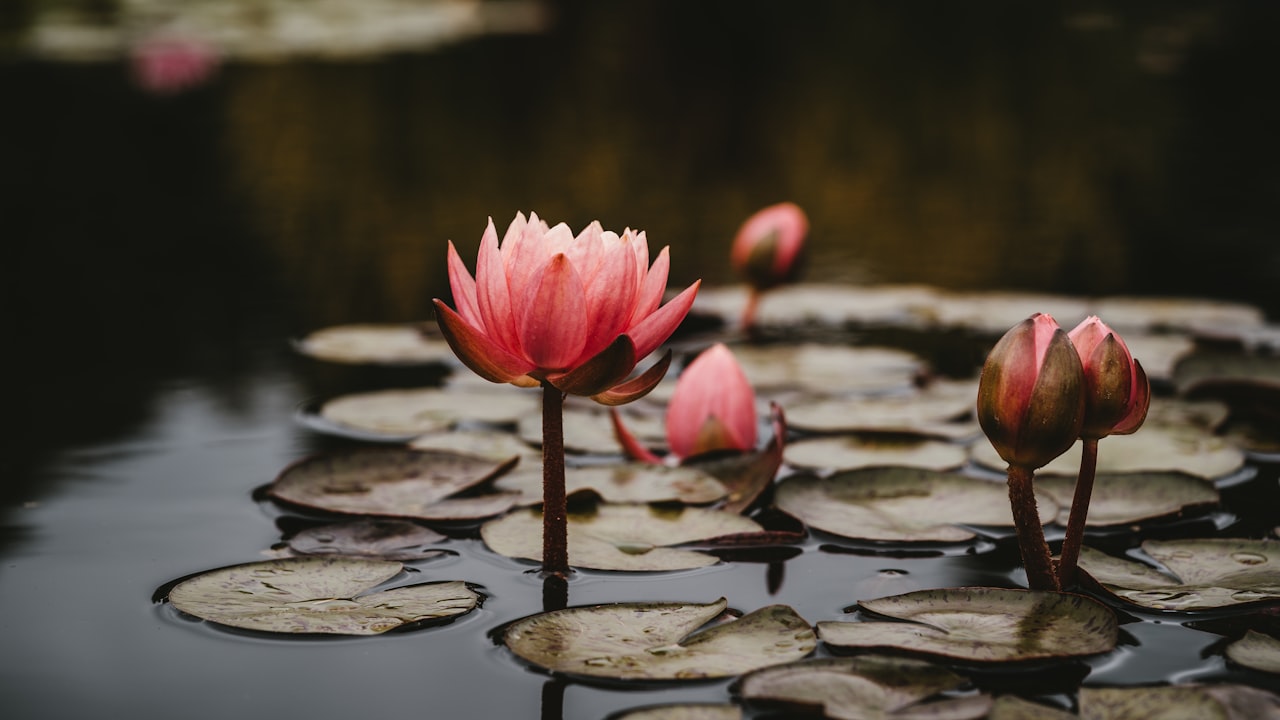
(879, 455)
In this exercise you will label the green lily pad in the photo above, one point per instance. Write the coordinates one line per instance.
(659, 641)
(399, 413)
(1177, 313)
(993, 313)
(1012, 707)
(828, 305)
(1151, 449)
(386, 539)
(942, 409)
(900, 504)
(1202, 574)
(1257, 651)
(394, 482)
(828, 369)
(1131, 498)
(869, 687)
(629, 483)
(318, 595)
(852, 452)
(982, 625)
(689, 711)
(1179, 702)
(489, 444)
(620, 537)
(369, 344)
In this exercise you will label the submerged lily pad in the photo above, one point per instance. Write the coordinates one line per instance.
(1151, 449)
(828, 369)
(982, 624)
(869, 687)
(386, 539)
(659, 641)
(903, 504)
(621, 537)
(629, 483)
(935, 411)
(1178, 702)
(1203, 574)
(1131, 498)
(318, 595)
(1257, 651)
(415, 412)
(375, 345)
(394, 483)
(852, 452)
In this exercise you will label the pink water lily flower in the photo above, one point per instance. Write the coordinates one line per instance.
(575, 313)
(713, 408)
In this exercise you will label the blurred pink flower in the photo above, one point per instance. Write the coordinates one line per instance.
(166, 65)
(768, 246)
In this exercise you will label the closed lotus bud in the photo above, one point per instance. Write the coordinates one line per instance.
(767, 248)
(1031, 397)
(1117, 390)
(713, 406)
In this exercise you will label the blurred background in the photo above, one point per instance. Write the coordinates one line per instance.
(187, 184)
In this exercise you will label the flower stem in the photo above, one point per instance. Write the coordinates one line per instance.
(1035, 551)
(749, 312)
(555, 523)
(1079, 513)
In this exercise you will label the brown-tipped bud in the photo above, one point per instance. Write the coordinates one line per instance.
(1118, 393)
(1031, 397)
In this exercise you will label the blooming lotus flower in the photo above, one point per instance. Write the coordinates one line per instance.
(1118, 392)
(768, 246)
(1031, 396)
(575, 313)
(713, 408)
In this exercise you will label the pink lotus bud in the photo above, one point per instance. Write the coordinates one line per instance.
(1031, 397)
(1117, 390)
(713, 408)
(169, 65)
(576, 313)
(767, 249)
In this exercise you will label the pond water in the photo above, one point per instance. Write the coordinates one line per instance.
(163, 250)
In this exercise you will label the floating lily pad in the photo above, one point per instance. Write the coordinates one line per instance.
(869, 687)
(1203, 574)
(822, 304)
(901, 504)
(936, 411)
(659, 641)
(982, 624)
(1257, 651)
(591, 431)
(630, 483)
(1249, 338)
(620, 537)
(747, 475)
(690, 711)
(400, 413)
(394, 483)
(828, 369)
(1151, 449)
(318, 595)
(1159, 354)
(1250, 383)
(375, 345)
(995, 312)
(386, 539)
(489, 444)
(851, 452)
(1012, 707)
(1131, 498)
(1179, 702)
(1174, 313)
(1208, 415)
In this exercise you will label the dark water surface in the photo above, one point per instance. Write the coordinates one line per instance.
(160, 251)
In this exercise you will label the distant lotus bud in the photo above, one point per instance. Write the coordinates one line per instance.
(169, 65)
(1117, 390)
(1031, 397)
(767, 249)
